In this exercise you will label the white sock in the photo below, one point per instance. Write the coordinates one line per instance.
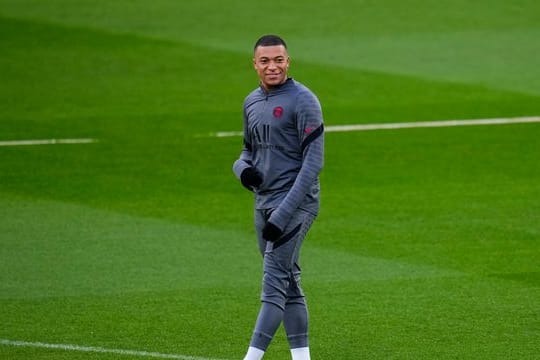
(254, 354)
(300, 354)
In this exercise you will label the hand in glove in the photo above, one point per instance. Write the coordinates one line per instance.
(251, 178)
(271, 232)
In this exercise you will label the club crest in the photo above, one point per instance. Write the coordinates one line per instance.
(278, 111)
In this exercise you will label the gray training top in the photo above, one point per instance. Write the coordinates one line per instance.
(284, 141)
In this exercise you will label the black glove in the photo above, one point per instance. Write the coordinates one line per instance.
(271, 232)
(251, 178)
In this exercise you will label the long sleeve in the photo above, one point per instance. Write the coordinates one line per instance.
(311, 134)
(245, 159)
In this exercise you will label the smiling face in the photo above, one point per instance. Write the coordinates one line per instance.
(271, 63)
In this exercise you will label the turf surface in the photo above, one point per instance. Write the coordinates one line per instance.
(427, 244)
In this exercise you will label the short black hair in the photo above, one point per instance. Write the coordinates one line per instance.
(269, 40)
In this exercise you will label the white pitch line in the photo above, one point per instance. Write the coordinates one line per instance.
(46, 142)
(93, 349)
(409, 125)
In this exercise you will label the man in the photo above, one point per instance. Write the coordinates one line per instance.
(280, 162)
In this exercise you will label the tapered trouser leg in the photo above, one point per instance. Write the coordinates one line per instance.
(282, 296)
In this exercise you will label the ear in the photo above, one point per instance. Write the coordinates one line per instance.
(254, 64)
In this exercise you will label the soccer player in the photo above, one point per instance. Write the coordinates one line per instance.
(280, 162)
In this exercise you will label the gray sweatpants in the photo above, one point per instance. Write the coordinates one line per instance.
(282, 296)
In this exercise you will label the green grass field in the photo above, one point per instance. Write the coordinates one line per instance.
(428, 241)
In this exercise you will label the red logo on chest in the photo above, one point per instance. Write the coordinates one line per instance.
(278, 111)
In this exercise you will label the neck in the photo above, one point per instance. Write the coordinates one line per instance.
(268, 88)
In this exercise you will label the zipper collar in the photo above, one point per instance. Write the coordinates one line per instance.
(278, 88)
